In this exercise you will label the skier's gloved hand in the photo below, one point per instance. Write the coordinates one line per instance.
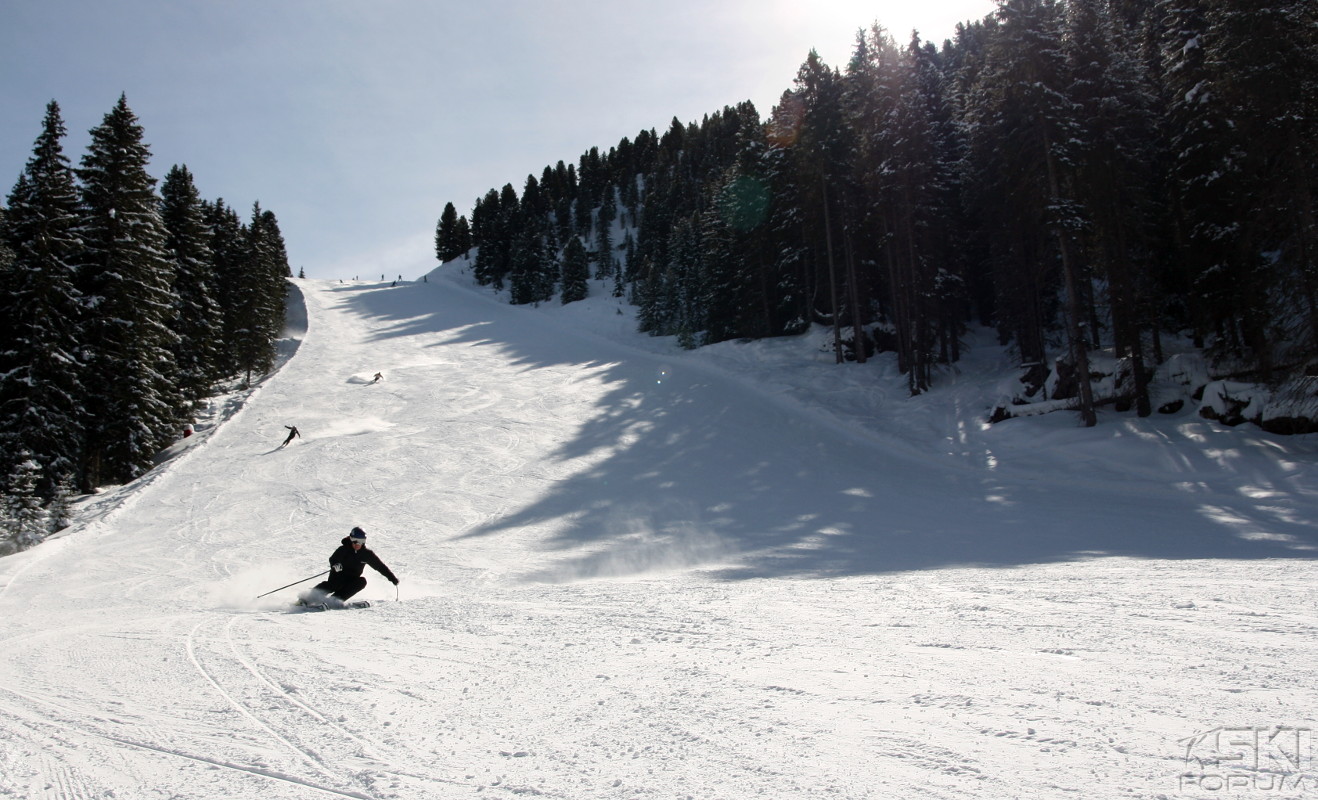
(336, 567)
(394, 581)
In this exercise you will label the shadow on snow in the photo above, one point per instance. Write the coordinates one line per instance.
(700, 473)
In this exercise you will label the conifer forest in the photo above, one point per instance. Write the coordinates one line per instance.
(1117, 177)
(123, 308)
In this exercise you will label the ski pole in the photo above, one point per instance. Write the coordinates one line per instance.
(294, 583)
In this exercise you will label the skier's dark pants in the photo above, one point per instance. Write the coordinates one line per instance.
(343, 589)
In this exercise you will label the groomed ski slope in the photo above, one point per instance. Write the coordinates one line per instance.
(630, 571)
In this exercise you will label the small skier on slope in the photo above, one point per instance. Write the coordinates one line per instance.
(346, 565)
(379, 376)
(292, 432)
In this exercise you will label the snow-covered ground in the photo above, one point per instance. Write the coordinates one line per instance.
(630, 571)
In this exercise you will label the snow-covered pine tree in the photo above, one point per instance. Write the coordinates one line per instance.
(919, 165)
(942, 222)
(502, 233)
(125, 275)
(486, 228)
(1112, 161)
(41, 390)
(591, 180)
(260, 294)
(564, 196)
(197, 319)
(819, 156)
(728, 289)
(738, 242)
(686, 282)
(787, 248)
(1025, 128)
(60, 506)
(1262, 58)
(627, 267)
(228, 246)
(576, 271)
(605, 261)
(532, 268)
(1206, 157)
(26, 523)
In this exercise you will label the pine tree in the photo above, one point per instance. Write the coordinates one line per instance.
(1026, 130)
(728, 288)
(41, 355)
(260, 295)
(504, 231)
(126, 276)
(228, 246)
(531, 267)
(819, 159)
(196, 319)
(576, 271)
(686, 282)
(1262, 59)
(740, 299)
(462, 236)
(60, 507)
(1208, 186)
(24, 523)
(1112, 159)
(448, 245)
(789, 269)
(907, 148)
(605, 262)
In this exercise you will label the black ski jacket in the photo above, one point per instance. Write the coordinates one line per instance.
(354, 561)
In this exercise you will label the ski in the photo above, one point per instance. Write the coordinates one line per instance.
(332, 607)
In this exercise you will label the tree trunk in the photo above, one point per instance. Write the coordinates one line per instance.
(1074, 328)
(832, 279)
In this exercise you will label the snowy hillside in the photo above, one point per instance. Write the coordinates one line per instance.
(630, 571)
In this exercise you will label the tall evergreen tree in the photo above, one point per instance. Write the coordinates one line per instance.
(1112, 158)
(228, 246)
(261, 293)
(24, 521)
(126, 275)
(740, 257)
(1262, 59)
(819, 158)
(576, 271)
(196, 319)
(462, 236)
(448, 244)
(41, 355)
(1208, 185)
(1026, 129)
(605, 260)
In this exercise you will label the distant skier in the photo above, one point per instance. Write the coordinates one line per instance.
(292, 434)
(379, 376)
(346, 565)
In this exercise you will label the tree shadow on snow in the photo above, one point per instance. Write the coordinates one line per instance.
(693, 470)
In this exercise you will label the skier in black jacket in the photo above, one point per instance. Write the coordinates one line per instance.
(346, 565)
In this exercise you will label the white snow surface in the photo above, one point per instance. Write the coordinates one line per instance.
(632, 571)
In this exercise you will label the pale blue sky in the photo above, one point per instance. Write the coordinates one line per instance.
(356, 121)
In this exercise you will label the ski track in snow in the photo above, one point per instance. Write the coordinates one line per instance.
(632, 572)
